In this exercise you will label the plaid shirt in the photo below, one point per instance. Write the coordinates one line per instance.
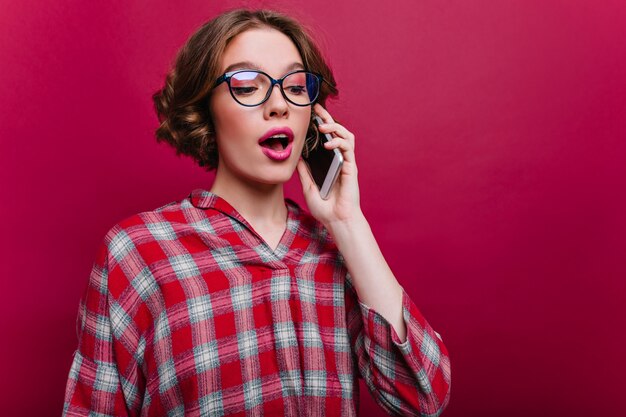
(188, 312)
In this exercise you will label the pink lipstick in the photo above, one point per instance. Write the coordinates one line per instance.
(277, 143)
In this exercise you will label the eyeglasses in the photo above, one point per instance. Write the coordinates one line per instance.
(252, 87)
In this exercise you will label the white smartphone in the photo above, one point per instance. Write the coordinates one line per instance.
(323, 164)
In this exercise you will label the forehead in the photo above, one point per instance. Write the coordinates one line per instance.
(266, 49)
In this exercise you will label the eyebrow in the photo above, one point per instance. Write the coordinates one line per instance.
(250, 65)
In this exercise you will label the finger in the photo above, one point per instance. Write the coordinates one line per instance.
(339, 130)
(344, 146)
(321, 112)
(305, 177)
(338, 142)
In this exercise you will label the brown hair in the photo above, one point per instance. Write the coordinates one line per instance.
(182, 104)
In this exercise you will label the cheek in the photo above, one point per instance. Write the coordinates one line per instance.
(223, 116)
(304, 122)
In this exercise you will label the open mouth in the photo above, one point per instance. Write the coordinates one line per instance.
(277, 143)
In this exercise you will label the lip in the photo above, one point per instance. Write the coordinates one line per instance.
(278, 155)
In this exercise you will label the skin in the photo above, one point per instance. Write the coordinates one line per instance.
(253, 184)
(245, 177)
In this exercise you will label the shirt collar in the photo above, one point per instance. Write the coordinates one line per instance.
(204, 199)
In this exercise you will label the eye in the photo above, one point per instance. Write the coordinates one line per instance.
(247, 83)
(296, 89)
(243, 91)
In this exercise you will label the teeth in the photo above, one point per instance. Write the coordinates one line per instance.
(278, 136)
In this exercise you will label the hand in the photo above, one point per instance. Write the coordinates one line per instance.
(342, 204)
(375, 284)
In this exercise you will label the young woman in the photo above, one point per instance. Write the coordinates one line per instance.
(236, 301)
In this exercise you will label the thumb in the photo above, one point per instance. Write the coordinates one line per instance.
(305, 177)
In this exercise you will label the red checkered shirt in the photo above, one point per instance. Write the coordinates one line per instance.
(188, 312)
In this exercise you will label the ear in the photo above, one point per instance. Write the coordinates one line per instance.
(312, 137)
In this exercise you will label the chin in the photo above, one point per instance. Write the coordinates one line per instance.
(275, 179)
(277, 176)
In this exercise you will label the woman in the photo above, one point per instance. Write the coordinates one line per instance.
(235, 301)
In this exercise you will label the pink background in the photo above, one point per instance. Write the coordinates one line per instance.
(492, 163)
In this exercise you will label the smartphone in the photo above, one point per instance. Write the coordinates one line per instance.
(323, 164)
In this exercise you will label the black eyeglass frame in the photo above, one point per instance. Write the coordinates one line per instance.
(226, 77)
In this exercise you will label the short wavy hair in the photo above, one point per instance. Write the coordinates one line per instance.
(182, 104)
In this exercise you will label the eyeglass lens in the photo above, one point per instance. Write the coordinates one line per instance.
(251, 88)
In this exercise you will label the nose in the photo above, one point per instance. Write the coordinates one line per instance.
(276, 105)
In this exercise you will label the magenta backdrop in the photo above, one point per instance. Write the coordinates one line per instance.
(492, 159)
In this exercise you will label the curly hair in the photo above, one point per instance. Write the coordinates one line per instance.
(182, 104)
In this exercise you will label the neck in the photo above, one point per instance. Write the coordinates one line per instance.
(262, 205)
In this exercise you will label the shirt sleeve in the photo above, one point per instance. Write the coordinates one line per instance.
(410, 378)
(94, 385)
